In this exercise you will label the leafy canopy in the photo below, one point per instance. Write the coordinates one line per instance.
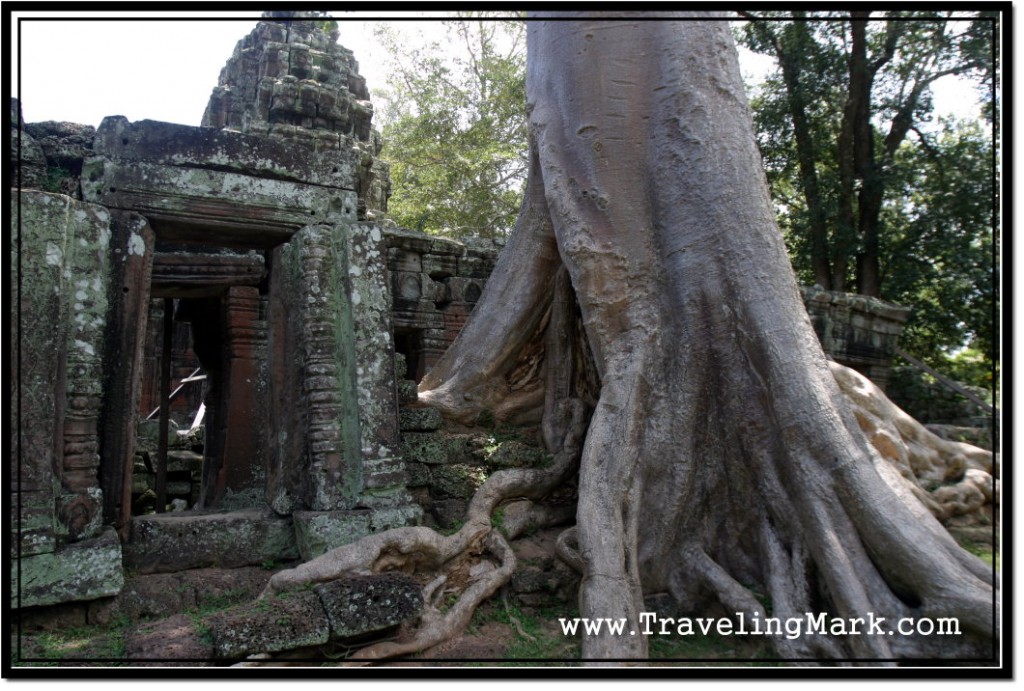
(454, 126)
(872, 193)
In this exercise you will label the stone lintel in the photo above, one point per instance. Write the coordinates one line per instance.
(192, 274)
(200, 205)
(169, 144)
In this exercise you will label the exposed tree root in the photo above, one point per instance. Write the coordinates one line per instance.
(951, 478)
(471, 564)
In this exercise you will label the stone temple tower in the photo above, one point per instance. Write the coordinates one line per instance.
(291, 80)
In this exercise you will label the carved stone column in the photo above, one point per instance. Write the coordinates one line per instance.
(62, 284)
(241, 477)
(334, 422)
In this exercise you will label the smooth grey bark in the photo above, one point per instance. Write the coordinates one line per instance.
(721, 460)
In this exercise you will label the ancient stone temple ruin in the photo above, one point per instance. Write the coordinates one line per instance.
(209, 316)
(207, 319)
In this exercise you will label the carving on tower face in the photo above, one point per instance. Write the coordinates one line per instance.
(290, 79)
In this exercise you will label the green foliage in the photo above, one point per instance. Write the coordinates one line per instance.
(498, 521)
(940, 252)
(454, 127)
(982, 551)
(329, 26)
(929, 230)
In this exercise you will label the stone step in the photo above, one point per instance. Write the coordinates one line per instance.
(189, 540)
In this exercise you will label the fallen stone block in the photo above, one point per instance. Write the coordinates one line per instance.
(359, 605)
(84, 570)
(284, 622)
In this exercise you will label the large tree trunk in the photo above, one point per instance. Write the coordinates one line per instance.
(721, 461)
(645, 307)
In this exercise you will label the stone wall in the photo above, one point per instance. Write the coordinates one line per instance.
(857, 331)
(435, 283)
(249, 229)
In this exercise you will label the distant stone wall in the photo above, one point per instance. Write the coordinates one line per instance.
(858, 331)
(435, 283)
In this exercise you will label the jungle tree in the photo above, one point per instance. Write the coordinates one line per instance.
(646, 310)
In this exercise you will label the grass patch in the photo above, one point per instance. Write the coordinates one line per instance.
(983, 551)
(79, 643)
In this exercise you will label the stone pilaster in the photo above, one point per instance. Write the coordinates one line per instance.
(88, 264)
(62, 284)
(384, 475)
(314, 375)
(241, 480)
(132, 240)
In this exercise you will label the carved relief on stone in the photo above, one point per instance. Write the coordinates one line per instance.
(290, 79)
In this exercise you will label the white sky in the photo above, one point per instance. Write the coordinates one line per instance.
(85, 68)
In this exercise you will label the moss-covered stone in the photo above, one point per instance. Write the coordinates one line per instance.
(84, 570)
(436, 449)
(418, 474)
(174, 542)
(456, 481)
(317, 532)
(358, 605)
(419, 419)
(287, 621)
(514, 454)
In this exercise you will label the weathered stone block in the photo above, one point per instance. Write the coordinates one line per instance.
(287, 621)
(433, 449)
(26, 151)
(383, 473)
(401, 259)
(65, 144)
(474, 267)
(456, 481)
(419, 419)
(174, 542)
(393, 509)
(406, 286)
(461, 289)
(439, 266)
(417, 243)
(515, 454)
(418, 474)
(84, 570)
(359, 605)
(317, 532)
